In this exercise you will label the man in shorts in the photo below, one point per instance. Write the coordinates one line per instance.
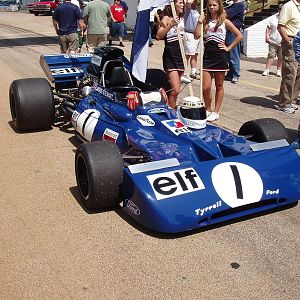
(191, 45)
(96, 15)
(66, 19)
(274, 39)
(118, 17)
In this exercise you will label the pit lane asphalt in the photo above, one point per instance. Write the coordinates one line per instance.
(50, 248)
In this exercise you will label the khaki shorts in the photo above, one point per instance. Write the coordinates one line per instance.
(68, 42)
(94, 40)
(274, 51)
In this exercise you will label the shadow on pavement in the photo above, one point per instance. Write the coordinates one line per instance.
(260, 101)
(28, 41)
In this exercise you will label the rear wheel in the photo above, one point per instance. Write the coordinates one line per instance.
(99, 174)
(263, 130)
(36, 14)
(31, 104)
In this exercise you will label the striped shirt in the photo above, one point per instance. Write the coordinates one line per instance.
(218, 36)
(172, 33)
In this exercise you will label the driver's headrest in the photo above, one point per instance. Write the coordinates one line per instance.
(115, 74)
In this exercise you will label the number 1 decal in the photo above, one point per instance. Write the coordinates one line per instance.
(237, 180)
(237, 184)
(85, 123)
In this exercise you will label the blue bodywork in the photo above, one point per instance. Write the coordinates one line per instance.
(203, 176)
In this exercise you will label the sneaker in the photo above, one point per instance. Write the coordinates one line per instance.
(213, 116)
(287, 109)
(186, 79)
(266, 72)
(294, 106)
(208, 113)
(278, 73)
(195, 76)
(121, 44)
(235, 80)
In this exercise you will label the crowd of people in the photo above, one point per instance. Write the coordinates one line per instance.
(222, 29)
(100, 21)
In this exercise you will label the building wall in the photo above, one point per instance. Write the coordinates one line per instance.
(254, 40)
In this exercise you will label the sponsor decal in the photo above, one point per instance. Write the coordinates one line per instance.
(157, 110)
(201, 211)
(104, 92)
(63, 71)
(74, 118)
(176, 126)
(96, 60)
(110, 135)
(270, 192)
(175, 183)
(132, 207)
(145, 120)
(86, 123)
(237, 184)
(77, 55)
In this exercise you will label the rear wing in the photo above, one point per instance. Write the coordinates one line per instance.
(62, 68)
(69, 68)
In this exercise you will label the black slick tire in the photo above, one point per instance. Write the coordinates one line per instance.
(99, 174)
(31, 104)
(263, 130)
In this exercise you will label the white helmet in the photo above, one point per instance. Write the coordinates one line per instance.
(192, 113)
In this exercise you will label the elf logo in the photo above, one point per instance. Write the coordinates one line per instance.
(176, 126)
(175, 183)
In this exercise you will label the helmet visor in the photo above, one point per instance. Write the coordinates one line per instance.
(193, 113)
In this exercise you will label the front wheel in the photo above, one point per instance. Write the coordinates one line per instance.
(99, 174)
(263, 130)
(31, 104)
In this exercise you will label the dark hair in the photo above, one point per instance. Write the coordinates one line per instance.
(168, 10)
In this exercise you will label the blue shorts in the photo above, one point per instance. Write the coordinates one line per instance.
(117, 29)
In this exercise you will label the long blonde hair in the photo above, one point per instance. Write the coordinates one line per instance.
(221, 16)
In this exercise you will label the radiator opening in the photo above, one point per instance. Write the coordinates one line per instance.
(270, 202)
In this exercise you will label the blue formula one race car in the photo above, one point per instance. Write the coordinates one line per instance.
(169, 170)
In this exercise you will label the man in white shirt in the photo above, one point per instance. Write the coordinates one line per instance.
(273, 38)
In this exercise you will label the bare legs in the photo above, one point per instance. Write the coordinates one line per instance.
(175, 82)
(207, 83)
(270, 62)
